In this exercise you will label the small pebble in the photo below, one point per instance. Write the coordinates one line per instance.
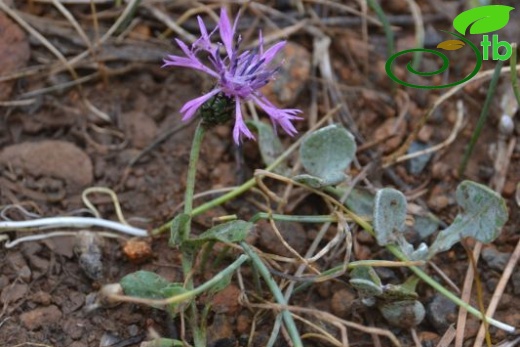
(341, 302)
(40, 317)
(438, 202)
(440, 170)
(226, 301)
(416, 165)
(365, 238)
(509, 189)
(429, 339)
(13, 293)
(133, 330)
(495, 259)
(42, 298)
(506, 125)
(403, 314)
(425, 134)
(243, 323)
(441, 313)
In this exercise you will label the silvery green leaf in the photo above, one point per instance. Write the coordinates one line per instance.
(149, 285)
(482, 215)
(230, 232)
(269, 144)
(389, 215)
(421, 253)
(327, 153)
(425, 226)
(361, 202)
(366, 281)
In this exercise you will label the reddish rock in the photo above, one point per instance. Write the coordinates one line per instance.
(42, 316)
(292, 77)
(58, 159)
(226, 301)
(139, 127)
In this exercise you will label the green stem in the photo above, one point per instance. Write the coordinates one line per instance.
(277, 293)
(514, 76)
(482, 119)
(199, 337)
(192, 173)
(386, 26)
(288, 218)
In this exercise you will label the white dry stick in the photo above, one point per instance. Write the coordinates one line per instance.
(38, 237)
(72, 222)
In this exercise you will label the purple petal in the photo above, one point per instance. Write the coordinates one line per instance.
(203, 41)
(191, 62)
(202, 26)
(226, 32)
(240, 126)
(189, 109)
(280, 116)
(184, 48)
(272, 51)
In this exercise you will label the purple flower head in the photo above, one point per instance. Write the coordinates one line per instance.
(239, 75)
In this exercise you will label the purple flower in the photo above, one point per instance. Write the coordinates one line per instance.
(239, 75)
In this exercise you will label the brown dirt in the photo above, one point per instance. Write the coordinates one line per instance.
(53, 148)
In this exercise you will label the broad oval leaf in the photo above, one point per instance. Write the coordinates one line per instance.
(483, 19)
(327, 153)
(482, 215)
(149, 285)
(144, 284)
(389, 215)
(230, 232)
(451, 45)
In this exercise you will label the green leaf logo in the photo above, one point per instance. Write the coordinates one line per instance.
(483, 19)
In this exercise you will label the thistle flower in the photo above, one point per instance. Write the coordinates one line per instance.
(239, 75)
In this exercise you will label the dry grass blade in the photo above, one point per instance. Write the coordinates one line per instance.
(171, 24)
(448, 337)
(499, 290)
(66, 13)
(466, 294)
